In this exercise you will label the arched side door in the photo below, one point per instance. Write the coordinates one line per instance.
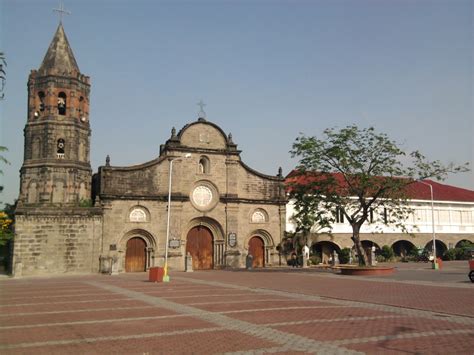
(135, 255)
(199, 244)
(257, 250)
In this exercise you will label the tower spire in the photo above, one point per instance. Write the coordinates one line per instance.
(59, 58)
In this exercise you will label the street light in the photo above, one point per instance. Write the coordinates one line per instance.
(166, 277)
(435, 264)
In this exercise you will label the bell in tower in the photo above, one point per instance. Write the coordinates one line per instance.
(56, 167)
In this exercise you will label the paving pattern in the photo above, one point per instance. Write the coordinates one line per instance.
(238, 312)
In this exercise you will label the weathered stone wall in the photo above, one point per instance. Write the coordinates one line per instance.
(237, 193)
(54, 241)
(222, 220)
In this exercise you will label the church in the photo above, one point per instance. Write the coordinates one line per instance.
(197, 202)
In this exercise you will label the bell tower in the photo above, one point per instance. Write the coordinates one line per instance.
(56, 167)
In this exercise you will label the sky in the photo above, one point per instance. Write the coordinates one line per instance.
(267, 70)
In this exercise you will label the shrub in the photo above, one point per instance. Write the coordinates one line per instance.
(387, 253)
(344, 255)
(463, 252)
(85, 202)
(450, 254)
(314, 259)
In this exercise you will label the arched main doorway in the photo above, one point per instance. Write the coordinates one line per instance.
(257, 250)
(199, 243)
(135, 255)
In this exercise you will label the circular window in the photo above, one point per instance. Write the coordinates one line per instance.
(202, 196)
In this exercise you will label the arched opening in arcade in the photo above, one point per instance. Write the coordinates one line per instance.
(368, 246)
(464, 243)
(257, 250)
(200, 245)
(403, 248)
(325, 250)
(440, 248)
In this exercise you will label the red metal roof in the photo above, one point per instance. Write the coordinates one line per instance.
(441, 192)
(416, 190)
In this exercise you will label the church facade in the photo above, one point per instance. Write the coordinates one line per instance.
(196, 201)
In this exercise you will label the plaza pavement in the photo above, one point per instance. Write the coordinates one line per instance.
(279, 310)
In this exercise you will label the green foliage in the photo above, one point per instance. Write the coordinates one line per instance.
(4, 161)
(450, 254)
(83, 202)
(2, 158)
(462, 252)
(357, 170)
(345, 255)
(387, 253)
(315, 259)
(3, 74)
(6, 228)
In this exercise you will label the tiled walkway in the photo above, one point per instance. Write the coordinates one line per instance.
(234, 312)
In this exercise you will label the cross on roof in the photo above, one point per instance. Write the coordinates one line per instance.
(201, 105)
(61, 11)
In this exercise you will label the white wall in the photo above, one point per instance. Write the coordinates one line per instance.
(450, 217)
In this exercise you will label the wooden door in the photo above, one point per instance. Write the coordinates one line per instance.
(135, 256)
(257, 250)
(199, 244)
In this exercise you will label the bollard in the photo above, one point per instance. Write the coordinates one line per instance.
(188, 266)
(249, 262)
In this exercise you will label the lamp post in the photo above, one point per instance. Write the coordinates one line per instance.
(435, 264)
(166, 277)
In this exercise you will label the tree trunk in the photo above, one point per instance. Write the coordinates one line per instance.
(363, 259)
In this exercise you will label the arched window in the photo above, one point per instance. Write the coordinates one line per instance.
(137, 215)
(62, 103)
(259, 216)
(60, 148)
(58, 192)
(82, 116)
(204, 165)
(41, 101)
(32, 193)
(36, 148)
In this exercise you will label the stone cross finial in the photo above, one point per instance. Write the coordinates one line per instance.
(61, 11)
(202, 113)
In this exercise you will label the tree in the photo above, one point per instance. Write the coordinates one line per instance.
(6, 228)
(356, 174)
(3, 74)
(4, 161)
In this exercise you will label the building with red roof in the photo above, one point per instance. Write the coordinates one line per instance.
(453, 210)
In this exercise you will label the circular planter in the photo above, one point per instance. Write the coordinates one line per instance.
(367, 271)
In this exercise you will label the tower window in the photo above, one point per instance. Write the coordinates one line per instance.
(81, 106)
(41, 101)
(60, 148)
(62, 103)
(204, 165)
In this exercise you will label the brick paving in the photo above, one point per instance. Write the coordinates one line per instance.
(234, 312)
